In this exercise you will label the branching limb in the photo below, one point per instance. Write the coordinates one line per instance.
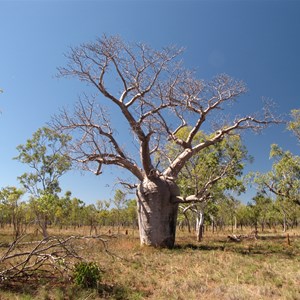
(239, 124)
(52, 255)
(192, 199)
(156, 97)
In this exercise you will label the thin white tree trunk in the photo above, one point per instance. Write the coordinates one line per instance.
(284, 222)
(199, 226)
(212, 223)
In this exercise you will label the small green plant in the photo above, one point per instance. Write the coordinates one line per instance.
(87, 274)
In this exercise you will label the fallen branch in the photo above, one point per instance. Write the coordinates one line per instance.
(239, 238)
(49, 257)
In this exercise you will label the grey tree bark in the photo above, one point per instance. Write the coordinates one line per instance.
(157, 212)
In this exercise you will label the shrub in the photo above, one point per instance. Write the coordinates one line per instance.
(87, 274)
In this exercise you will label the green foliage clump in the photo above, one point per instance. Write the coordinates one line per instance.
(87, 274)
(294, 125)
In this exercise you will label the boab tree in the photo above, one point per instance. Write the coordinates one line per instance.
(153, 97)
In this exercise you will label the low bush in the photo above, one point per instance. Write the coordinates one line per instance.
(87, 274)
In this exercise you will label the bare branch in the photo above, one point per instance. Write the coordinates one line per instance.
(240, 124)
(49, 256)
(96, 141)
(192, 199)
(156, 97)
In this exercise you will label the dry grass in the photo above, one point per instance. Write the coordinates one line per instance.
(266, 268)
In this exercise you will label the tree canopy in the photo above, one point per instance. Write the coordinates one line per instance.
(283, 180)
(213, 170)
(294, 124)
(154, 97)
(45, 154)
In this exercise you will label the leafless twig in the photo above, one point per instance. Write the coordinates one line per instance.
(50, 257)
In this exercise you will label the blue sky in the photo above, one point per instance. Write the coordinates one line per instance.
(255, 41)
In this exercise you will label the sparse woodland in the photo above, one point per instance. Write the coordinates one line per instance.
(178, 229)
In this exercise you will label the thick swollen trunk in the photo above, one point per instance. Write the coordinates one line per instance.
(157, 212)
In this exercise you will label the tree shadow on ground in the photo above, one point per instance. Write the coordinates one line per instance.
(200, 247)
(119, 292)
(22, 287)
(262, 246)
(280, 237)
(103, 291)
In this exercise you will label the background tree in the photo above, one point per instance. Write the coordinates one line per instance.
(294, 125)
(226, 214)
(103, 209)
(260, 210)
(45, 154)
(91, 217)
(153, 97)
(63, 210)
(76, 212)
(131, 213)
(287, 213)
(283, 181)
(11, 205)
(242, 215)
(119, 202)
(211, 173)
(44, 208)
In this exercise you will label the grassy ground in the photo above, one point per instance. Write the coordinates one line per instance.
(266, 268)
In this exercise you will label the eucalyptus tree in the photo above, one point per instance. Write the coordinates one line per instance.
(212, 173)
(283, 181)
(131, 213)
(243, 215)
(91, 217)
(294, 124)
(286, 212)
(103, 209)
(12, 206)
(119, 202)
(261, 210)
(47, 159)
(152, 97)
(76, 214)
